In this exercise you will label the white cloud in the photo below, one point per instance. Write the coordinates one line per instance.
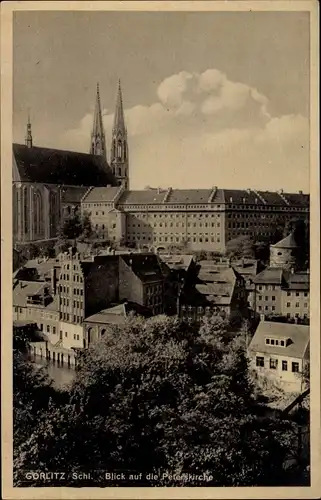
(205, 130)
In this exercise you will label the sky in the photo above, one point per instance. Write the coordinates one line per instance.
(211, 99)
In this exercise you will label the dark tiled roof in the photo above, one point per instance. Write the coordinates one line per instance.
(101, 194)
(243, 197)
(54, 166)
(143, 196)
(73, 194)
(299, 335)
(189, 196)
(271, 275)
(298, 281)
(145, 266)
(272, 198)
(297, 199)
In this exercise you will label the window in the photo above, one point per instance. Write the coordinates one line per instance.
(282, 343)
(305, 304)
(297, 294)
(289, 294)
(272, 342)
(66, 334)
(41, 327)
(284, 366)
(48, 329)
(53, 329)
(297, 304)
(305, 294)
(260, 297)
(288, 304)
(267, 341)
(273, 364)
(266, 298)
(259, 361)
(273, 297)
(295, 367)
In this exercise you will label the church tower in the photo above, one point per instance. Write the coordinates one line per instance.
(28, 139)
(98, 142)
(119, 145)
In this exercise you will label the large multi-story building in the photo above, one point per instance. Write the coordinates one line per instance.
(197, 218)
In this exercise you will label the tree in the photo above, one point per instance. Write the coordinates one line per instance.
(86, 226)
(70, 227)
(240, 247)
(159, 396)
(32, 388)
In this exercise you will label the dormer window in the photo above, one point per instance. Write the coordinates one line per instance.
(278, 342)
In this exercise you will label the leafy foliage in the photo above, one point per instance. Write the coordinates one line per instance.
(159, 395)
(240, 247)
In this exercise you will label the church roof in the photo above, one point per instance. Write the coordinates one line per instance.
(55, 166)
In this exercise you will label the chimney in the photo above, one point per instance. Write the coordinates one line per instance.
(54, 280)
(300, 192)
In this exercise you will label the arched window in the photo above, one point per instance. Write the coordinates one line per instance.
(37, 212)
(114, 148)
(103, 331)
(53, 213)
(125, 150)
(119, 171)
(119, 150)
(25, 209)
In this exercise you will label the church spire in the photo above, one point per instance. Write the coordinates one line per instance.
(28, 140)
(98, 142)
(119, 121)
(119, 145)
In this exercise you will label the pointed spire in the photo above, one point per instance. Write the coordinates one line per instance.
(119, 121)
(98, 146)
(28, 140)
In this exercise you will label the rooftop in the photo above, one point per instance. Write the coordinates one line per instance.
(54, 166)
(287, 242)
(299, 335)
(270, 275)
(101, 194)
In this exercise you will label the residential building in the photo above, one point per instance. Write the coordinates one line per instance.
(216, 292)
(180, 273)
(279, 352)
(59, 296)
(281, 292)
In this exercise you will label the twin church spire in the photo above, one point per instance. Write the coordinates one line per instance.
(119, 145)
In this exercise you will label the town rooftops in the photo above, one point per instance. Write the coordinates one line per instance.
(287, 242)
(296, 347)
(54, 166)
